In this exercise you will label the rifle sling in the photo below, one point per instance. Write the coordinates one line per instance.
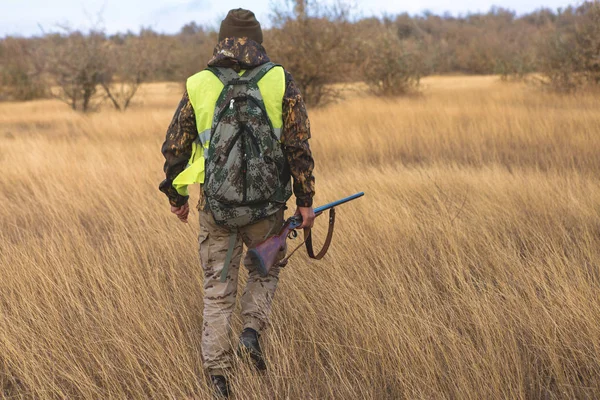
(308, 238)
(229, 255)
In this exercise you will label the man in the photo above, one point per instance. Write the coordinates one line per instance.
(188, 150)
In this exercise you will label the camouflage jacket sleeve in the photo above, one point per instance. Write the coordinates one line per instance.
(296, 132)
(177, 148)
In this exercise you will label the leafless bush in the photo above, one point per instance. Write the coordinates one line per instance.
(130, 63)
(89, 68)
(20, 71)
(321, 46)
(570, 58)
(78, 64)
(315, 44)
(393, 66)
(192, 49)
(516, 66)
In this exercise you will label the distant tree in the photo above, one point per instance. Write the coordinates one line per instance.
(322, 45)
(315, 44)
(130, 63)
(392, 66)
(570, 57)
(78, 64)
(21, 70)
(195, 45)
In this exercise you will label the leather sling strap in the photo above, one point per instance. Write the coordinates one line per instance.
(308, 238)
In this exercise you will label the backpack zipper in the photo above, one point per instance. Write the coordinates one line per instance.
(232, 143)
(261, 106)
(253, 141)
(244, 172)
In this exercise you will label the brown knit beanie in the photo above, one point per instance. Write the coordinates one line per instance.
(241, 23)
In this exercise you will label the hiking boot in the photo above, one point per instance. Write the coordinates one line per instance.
(249, 345)
(221, 386)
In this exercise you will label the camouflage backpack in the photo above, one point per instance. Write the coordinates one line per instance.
(245, 179)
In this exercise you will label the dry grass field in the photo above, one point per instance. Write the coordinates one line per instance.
(470, 270)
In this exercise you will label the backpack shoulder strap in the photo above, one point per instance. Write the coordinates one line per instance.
(228, 76)
(225, 75)
(256, 74)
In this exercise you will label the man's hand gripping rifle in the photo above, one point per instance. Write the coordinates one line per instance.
(264, 255)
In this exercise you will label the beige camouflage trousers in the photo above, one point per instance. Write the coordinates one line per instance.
(220, 297)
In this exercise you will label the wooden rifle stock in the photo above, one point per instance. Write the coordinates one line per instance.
(264, 254)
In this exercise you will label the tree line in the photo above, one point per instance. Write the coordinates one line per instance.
(320, 46)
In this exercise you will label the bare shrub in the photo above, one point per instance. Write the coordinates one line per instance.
(194, 48)
(393, 66)
(515, 65)
(321, 45)
(20, 71)
(315, 44)
(89, 68)
(570, 58)
(130, 63)
(78, 64)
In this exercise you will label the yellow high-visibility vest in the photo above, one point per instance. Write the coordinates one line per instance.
(203, 90)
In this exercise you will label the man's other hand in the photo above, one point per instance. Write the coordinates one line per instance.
(182, 212)
(308, 217)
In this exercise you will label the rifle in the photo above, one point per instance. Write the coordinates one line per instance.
(263, 256)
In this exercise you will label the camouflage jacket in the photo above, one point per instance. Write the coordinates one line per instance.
(177, 148)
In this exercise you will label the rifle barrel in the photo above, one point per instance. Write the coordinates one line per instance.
(338, 202)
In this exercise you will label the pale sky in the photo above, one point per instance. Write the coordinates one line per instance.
(25, 17)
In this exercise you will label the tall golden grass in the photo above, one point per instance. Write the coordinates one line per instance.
(470, 270)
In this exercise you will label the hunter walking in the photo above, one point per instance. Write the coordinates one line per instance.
(241, 131)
